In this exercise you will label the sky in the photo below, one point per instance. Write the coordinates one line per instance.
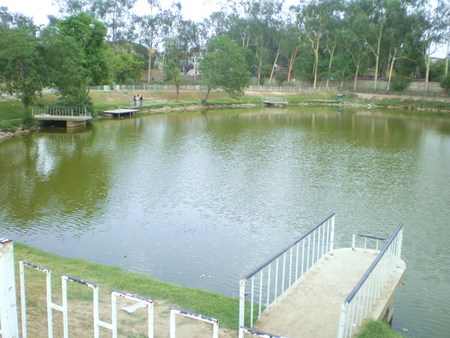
(195, 10)
(39, 9)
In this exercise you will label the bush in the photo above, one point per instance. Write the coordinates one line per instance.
(400, 82)
(445, 83)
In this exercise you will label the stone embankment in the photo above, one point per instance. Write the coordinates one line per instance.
(4, 135)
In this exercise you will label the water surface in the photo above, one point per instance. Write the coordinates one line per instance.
(202, 199)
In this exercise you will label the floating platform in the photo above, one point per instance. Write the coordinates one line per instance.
(121, 112)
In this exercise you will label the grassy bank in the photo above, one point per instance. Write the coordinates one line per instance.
(11, 111)
(109, 278)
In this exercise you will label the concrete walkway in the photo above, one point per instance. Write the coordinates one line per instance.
(311, 307)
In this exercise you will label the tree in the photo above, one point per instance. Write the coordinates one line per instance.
(90, 36)
(123, 64)
(21, 59)
(223, 66)
(65, 70)
(173, 58)
(76, 59)
(115, 14)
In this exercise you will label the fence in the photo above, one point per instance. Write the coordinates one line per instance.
(355, 308)
(265, 284)
(61, 111)
(9, 324)
(196, 316)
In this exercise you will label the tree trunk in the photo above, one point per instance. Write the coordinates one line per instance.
(207, 94)
(356, 77)
(291, 63)
(274, 63)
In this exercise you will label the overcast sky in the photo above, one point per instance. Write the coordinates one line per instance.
(39, 9)
(195, 10)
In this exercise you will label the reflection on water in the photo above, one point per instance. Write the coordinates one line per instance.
(214, 194)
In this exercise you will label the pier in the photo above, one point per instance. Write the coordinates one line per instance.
(70, 116)
(312, 289)
(120, 112)
(275, 101)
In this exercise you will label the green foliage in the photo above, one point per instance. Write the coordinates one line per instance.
(89, 34)
(400, 82)
(123, 64)
(224, 66)
(21, 60)
(445, 82)
(378, 329)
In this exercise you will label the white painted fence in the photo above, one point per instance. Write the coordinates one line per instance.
(9, 324)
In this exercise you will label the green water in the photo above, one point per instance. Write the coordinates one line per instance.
(179, 197)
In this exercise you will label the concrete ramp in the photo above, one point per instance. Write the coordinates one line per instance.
(312, 306)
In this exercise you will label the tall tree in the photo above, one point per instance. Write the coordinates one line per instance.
(21, 58)
(115, 14)
(224, 66)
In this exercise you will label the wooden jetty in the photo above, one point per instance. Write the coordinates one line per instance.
(120, 112)
(70, 116)
(275, 101)
(312, 289)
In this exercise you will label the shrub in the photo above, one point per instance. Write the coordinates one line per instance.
(445, 83)
(400, 82)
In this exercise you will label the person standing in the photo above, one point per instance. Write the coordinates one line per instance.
(141, 99)
(134, 101)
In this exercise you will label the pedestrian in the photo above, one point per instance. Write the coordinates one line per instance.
(140, 100)
(134, 101)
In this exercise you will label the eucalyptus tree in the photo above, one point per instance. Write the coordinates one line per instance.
(254, 23)
(151, 29)
(333, 33)
(398, 35)
(115, 14)
(314, 17)
(353, 45)
(374, 19)
(434, 25)
(22, 71)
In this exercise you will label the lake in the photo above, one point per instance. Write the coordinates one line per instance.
(201, 199)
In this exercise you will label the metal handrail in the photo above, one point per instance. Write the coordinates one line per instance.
(392, 247)
(276, 275)
(270, 260)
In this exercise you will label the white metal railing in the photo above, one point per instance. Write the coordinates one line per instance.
(98, 323)
(9, 323)
(368, 241)
(8, 307)
(359, 302)
(196, 316)
(269, 281)
(61, 111)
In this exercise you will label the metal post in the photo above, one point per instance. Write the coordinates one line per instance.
(8, 310)
(341, 331)
(332, 233)
(242, 301)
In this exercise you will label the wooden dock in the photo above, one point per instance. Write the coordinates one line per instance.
(120, 112)
(312, 306)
